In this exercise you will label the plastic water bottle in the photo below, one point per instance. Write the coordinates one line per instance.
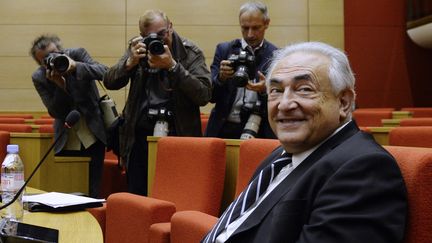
(12, 178)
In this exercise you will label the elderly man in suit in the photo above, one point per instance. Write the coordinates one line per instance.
(328, 182)
(69, 84)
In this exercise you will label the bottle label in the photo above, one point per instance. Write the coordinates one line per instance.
(12, 181)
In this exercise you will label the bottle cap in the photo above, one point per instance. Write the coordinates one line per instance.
(12, 148)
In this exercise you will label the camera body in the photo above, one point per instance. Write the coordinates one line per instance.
(154, 44)
(162, 116)
(244, 68)
(254, 121)
(57, 61)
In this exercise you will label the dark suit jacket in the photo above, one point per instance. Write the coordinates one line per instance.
(81, 94)
(224, 93)
(348, 190)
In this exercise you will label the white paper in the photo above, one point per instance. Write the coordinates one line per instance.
(57, 199)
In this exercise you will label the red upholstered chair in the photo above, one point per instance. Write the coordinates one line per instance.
(189, 176)
(416, 167)
(190, 226)
(371, 118)
(44, 121)
(421, 121)
(16, 128)
(204, 122)
(46, 116)
(12, 120)
(252, 153)
(4, 141)
(25, 116)
(419, 111)
(100, 215)
(46, 129)
(420, 136)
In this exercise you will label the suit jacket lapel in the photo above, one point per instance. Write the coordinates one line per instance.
(285, 186)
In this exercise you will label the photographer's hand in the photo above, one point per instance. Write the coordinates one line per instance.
(56, 78)
(137, 50)
(225, 70)
(259, 87)
(163, 61)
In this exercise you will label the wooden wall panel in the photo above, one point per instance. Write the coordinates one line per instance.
(66, 12)
(103, 28)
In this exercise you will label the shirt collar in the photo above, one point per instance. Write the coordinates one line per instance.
(245, 45)
(299, 157)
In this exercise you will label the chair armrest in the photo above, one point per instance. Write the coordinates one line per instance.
(130, 216)
(190, 226)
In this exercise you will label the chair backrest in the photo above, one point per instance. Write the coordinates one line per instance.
(419, 136)
(422, 121)
(252, 153)
(12, 120)
(46, 128)
(25, 116)
(15, 127)
(4, 141)
(371, 118)
(190, 172)
(419, 111)
(204, 122)
(41, 121)
(416, 167)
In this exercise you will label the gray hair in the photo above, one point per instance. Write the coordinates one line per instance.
(150, 16)
(254, 6)
(42, 42)
(339, 72)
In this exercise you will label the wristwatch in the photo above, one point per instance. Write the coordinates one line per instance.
(173, 67)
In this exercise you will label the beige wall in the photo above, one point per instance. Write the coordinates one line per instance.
(104, 26)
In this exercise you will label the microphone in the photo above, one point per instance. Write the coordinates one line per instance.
(71, 119)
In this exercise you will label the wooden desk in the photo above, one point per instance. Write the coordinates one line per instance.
(61, 174)
(390, 122)
(401, 114)
(73, 226)
(381, 134)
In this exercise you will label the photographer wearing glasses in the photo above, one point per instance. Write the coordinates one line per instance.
(169, 80)
(65, 80)
(238, 81)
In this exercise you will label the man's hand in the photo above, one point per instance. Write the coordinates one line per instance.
(163, 61)
(259, 87)
(56, 78)
(137, 50)
(225, 70)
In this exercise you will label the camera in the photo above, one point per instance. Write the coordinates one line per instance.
(154, 44)
(244, 66)
(252, 126)
(57, 61)
(161, 115)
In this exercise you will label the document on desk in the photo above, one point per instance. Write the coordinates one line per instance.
(56, 201)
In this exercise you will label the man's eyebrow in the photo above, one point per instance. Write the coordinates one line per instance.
(295, 79)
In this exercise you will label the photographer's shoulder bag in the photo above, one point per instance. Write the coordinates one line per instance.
(112, 121)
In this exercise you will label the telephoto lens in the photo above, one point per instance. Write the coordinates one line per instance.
(57, 61)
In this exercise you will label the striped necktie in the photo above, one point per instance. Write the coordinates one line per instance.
(249, 196)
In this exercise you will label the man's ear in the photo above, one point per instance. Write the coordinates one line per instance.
(346, 100)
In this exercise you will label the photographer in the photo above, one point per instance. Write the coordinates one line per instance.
(236, 101)
(165, 83)
(65, 80)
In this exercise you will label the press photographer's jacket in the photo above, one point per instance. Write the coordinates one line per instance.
(81, 94)
(224, 93)
(190, 83)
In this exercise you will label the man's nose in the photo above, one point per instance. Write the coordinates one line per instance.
(288, 100)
